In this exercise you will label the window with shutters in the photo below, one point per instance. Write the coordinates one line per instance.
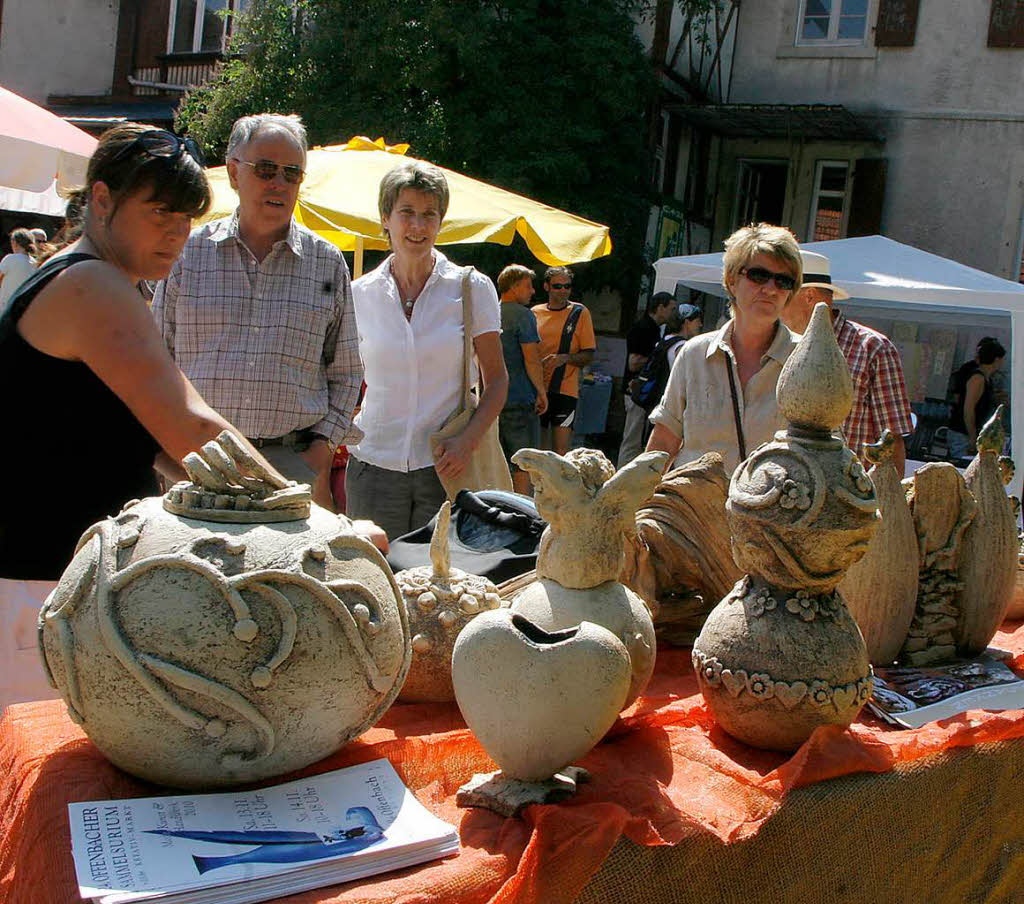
(832, 22)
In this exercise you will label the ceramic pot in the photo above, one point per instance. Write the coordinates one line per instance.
(440, 602)
(774, 664)
(536, 700)
(881, 589)
(988, 562)
(1016, 609)
(201, 654)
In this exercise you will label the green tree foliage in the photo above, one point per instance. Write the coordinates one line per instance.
(542, 97)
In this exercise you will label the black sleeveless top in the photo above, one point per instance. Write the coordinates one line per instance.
(986, 401)
(72, 453)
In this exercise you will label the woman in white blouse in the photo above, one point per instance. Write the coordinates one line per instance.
(720, 395)
(409, 316)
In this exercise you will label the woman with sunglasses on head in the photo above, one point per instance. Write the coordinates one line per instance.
(92, 395)
(410, 317)
(720, 395)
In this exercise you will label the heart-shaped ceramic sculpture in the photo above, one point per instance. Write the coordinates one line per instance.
(535, 700)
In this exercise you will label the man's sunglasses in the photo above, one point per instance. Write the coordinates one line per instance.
(267, 170)
(759, 277)
(561, 285)
(164, 145)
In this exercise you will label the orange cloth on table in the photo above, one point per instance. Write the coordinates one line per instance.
(666, 772)
(549, 325)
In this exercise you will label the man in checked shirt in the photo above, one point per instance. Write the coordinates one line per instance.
(258, 312)
(879, 391)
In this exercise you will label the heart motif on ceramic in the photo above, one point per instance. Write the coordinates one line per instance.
(535, 700)
(735, 681)
(789, 695)
(844, 697)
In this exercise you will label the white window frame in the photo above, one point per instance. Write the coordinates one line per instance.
(829, 193)
(833, 39)
(197, 26)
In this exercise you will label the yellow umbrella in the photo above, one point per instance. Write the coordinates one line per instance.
(338, 200)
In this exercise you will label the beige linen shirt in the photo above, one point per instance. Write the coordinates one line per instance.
(697, 404)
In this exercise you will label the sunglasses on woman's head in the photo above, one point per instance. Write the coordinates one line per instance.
(163, 144)
(561, 285)
(759, 277)
(267, 170)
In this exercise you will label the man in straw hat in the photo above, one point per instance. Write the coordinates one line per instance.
(879, 390)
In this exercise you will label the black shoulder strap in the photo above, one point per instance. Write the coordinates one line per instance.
(736, 409)
(22, 297)
(564, 345)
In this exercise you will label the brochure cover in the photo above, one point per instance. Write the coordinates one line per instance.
(336, 826)
(912, 697)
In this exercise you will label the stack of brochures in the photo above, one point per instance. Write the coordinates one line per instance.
(912, 697)
(242, 846)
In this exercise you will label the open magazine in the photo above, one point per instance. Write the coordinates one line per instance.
(912, 697)
(241, 846)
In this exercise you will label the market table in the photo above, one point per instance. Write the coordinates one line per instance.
(677, 811)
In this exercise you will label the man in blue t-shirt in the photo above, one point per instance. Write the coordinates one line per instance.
(519, 423)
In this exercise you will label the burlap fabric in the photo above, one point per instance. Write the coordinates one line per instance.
(947, 829)
(706, 818)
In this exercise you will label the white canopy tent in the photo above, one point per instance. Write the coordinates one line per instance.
(875, 269)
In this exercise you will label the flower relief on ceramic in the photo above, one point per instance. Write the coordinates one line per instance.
(781, 655)
(202, 653)
(440, 601)
(541, 683)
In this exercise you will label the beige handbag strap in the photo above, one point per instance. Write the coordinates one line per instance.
(467, 337)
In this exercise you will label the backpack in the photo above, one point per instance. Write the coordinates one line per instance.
(648, 386)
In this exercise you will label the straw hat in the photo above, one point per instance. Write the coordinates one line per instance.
(818, 274)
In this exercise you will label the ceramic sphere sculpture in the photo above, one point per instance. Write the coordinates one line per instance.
(225, 633)
(781, 655)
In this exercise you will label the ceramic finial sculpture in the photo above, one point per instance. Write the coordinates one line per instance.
(781, 655)
(440, 601)
(201, 653)
(227, 484)
(590, 508)
(881, 589)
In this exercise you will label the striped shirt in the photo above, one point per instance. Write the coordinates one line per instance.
(272, 345)
(879, 391)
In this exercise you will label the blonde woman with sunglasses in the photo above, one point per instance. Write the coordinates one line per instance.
(720, 395)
